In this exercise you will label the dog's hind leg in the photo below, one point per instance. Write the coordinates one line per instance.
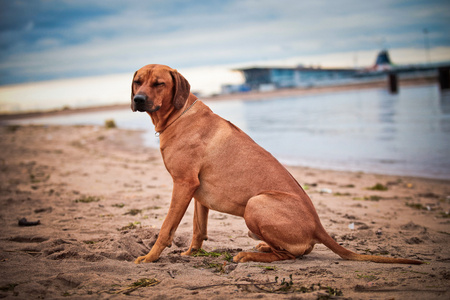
(274, 218)
(263, 257)
(261, 247)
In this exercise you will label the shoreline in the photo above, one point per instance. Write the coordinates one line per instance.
(287, 164)
(384, 170)
(249, 96)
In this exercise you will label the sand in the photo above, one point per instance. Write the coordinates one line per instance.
(101, 197)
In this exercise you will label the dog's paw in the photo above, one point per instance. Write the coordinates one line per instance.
(139, 260)
(145, 259)
(263, 247)
(189, 252)
(240, 257)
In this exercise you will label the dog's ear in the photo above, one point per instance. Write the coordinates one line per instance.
(182, 88)
(132, 92)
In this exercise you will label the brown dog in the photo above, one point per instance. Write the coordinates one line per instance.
(223, 169)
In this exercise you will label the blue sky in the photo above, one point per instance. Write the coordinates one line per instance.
(49, 39)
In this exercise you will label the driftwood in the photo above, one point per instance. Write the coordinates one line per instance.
(24, 222)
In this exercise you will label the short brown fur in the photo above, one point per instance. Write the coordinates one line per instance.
(223, 169)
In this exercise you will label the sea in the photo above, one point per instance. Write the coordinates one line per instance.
(369, 130)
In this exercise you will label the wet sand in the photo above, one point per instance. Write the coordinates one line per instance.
(101, 197)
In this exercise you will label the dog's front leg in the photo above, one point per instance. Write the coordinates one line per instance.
(200, 228)
(181, 197)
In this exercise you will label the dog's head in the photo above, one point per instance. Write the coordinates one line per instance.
(157, 86)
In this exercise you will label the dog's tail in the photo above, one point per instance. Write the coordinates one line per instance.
(328, 241)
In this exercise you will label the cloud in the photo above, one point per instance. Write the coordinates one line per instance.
(49, 39)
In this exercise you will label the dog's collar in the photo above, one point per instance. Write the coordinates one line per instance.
(158, 133)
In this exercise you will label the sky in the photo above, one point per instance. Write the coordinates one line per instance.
(42, 40)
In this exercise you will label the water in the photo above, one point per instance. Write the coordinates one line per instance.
(366, 130)
(370, 130)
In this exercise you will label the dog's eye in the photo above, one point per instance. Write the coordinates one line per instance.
(158, 83)
(137, 82)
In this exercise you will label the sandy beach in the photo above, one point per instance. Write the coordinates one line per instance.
(100, 198)
(247, 96)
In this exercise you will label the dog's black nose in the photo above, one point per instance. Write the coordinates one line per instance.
(140, 99)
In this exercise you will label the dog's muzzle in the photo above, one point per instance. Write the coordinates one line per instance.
(141, 103)
(139, 99)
